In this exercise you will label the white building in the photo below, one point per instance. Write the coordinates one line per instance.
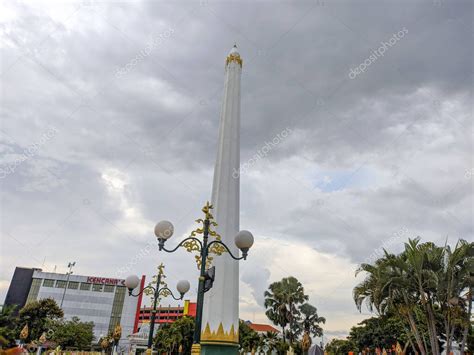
(104, 301)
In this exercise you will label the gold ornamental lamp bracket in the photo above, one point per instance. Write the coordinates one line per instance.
(149, 291)
(206, 228)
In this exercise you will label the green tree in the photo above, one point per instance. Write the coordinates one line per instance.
(72, 333)
(467, 338)
(170, 337)
(311, 320)
(281, 301)
(270, 339)
(454, 279)
(248, 338)
(162, 339)
(389, 286)
(427, 286)
(282, 347)
(379, 332)
(340, 347)
(8, 326)
(470, 339)
(424, 262)
(261, 344)
(185, 328)
(37, 314)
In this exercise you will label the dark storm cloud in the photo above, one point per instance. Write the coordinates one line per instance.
(134, 90)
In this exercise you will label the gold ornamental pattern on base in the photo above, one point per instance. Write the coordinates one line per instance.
(196, 349)
(220, 336)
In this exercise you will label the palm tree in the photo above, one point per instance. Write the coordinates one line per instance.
(425, 285)
(281, 301)
(402, 294)
(467, 323)
(282, 347)
(185, 327)
(270, 340)
(276, 306)
(424, 263)
(311, 320)
(386, 288)
(248, 338)
(372, 289)
(261, 344)
(455, 280)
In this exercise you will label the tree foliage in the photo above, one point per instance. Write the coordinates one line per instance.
(72, 333)
(249, 340)
(379, 332)
(270, 341)
(340, 346)
(286, 306)
(429, 287)
(170, 337)
(310, 320)
(185, 327)
(281, 301)
(8, 326)
(38, 314)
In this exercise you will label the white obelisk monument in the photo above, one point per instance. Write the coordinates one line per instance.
(220, 323)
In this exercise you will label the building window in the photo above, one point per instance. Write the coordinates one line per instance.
(34, 290)
(48, 283)
(85, 286)
(73, 285)
(97, 287)
(117, 307)
(109, 288)
(60, 284)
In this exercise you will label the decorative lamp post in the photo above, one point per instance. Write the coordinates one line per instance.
(117, 334)
(243, 240)
(70, 266)
(156, 291)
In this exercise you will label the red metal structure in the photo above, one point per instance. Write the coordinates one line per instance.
(167, 314)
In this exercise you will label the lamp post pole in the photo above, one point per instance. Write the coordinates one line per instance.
(70, 266)
(243, 240)
(132, 282)
(200, 295)
(155, 303)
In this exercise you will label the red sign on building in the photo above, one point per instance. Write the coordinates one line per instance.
(105, 280)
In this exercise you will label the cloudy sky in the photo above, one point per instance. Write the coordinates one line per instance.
(110, 113)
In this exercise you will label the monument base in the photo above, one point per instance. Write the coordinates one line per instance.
(215, 349)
